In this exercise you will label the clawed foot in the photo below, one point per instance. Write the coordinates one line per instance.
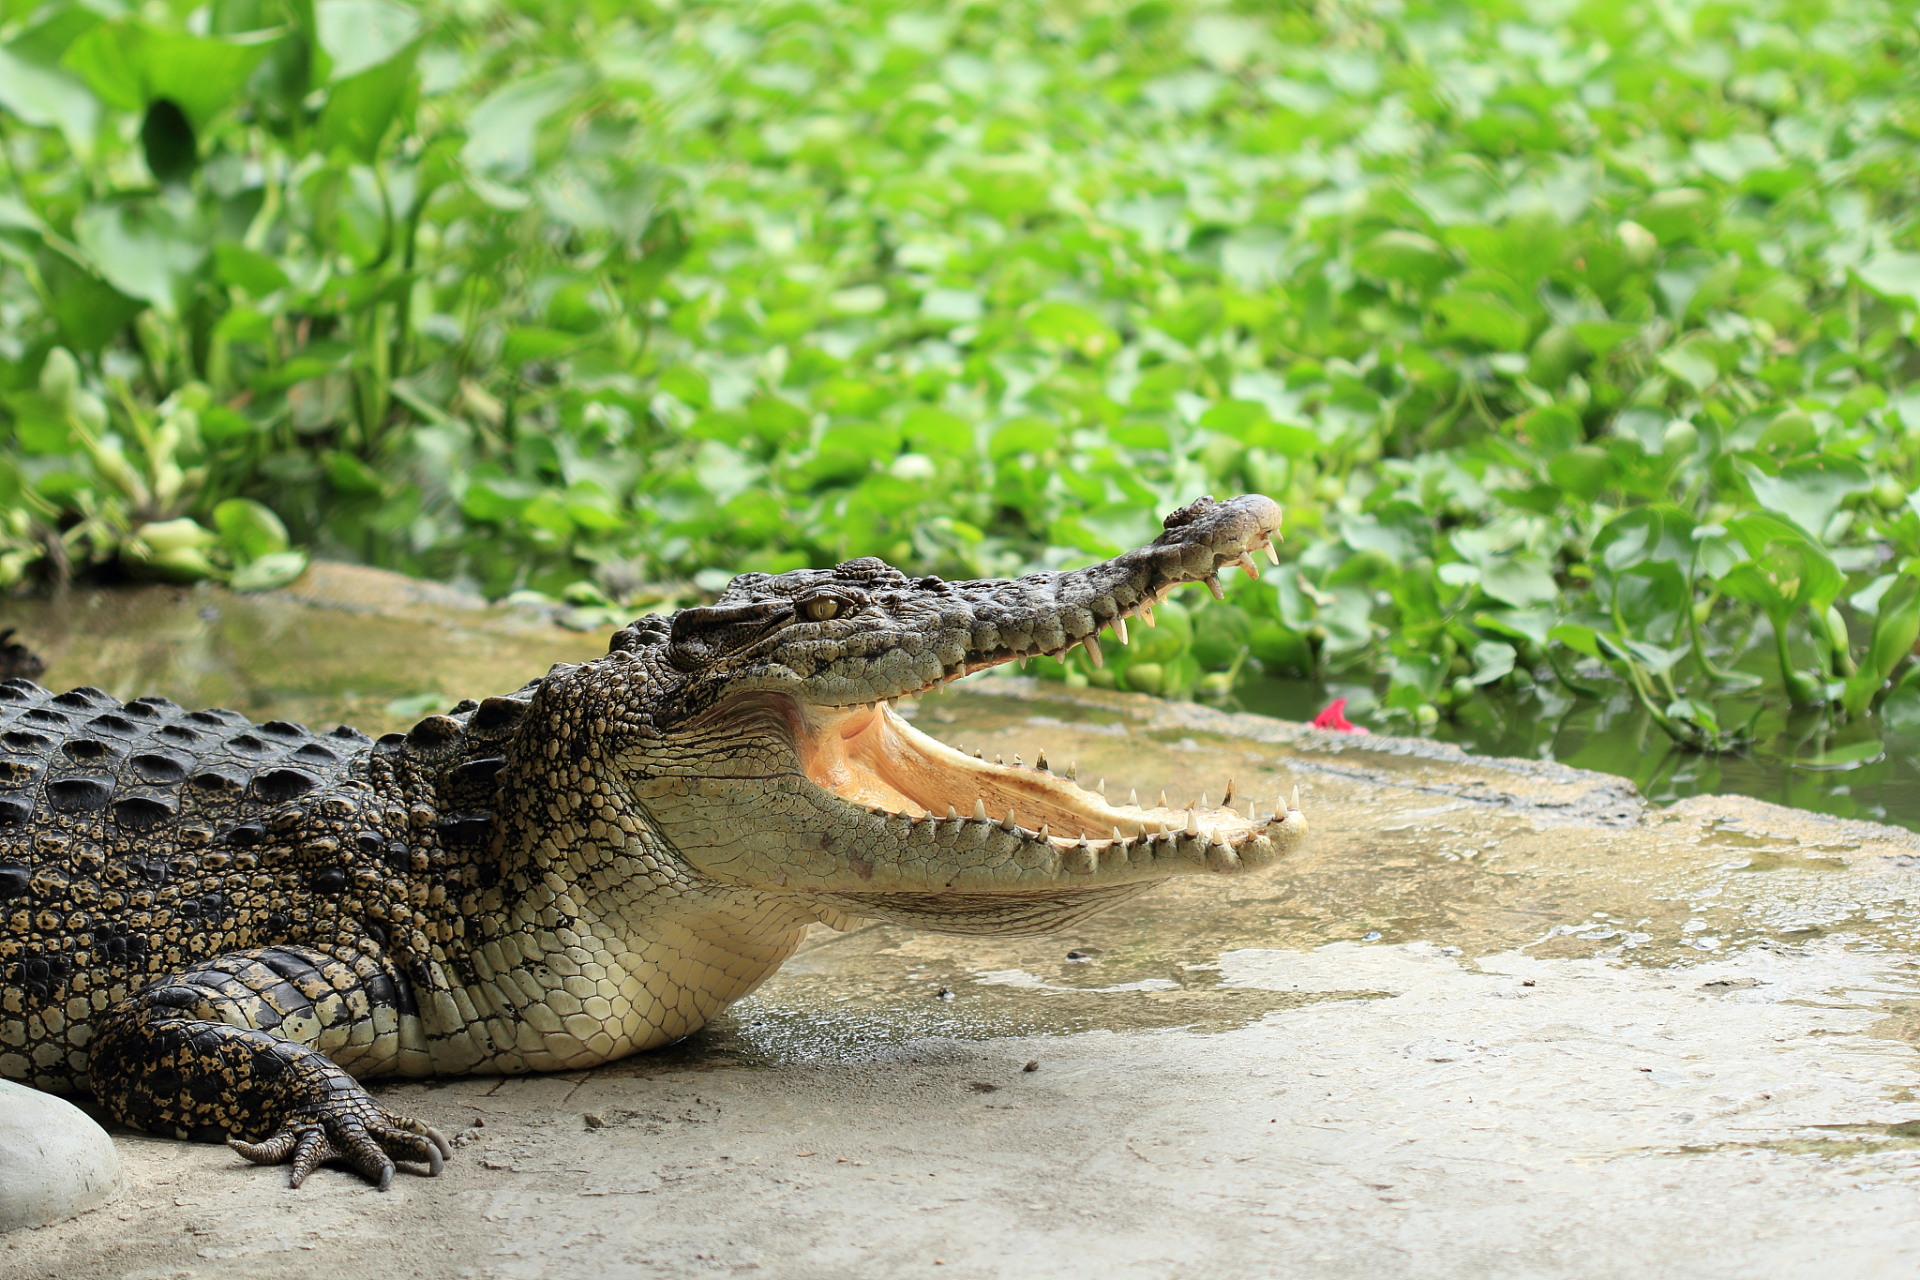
(349, 1130)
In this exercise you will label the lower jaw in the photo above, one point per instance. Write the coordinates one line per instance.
(1016, 828)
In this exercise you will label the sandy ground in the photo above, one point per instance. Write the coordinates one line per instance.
(1500, 1021)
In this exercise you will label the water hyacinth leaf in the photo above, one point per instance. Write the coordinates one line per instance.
(141, 249)
(1530, 625)
(1414, 680)
(362, 107)
(49, 95)
(1582, 471)
(1404, 256)
(276, 569)
(1783, 577)
(236, 265)
(1492, 660)
(1581, 639)
(1676, 215)
(1483, 318)
(500, 129)
(1896, 626)
(131, 64)
(1602, 336)
(347, 474)
(89, 311)
(1807, 491)
(1074, 327)
(249, 530)
(110, 60)
(1694, 363)
(1850, 756)
(1660, 534)
(361, 34)
(1523, 581)
(1893, 274)
(527, 343)
(1551, 429)
(1397, 539)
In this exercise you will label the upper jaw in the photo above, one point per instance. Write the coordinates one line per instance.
(970, 626)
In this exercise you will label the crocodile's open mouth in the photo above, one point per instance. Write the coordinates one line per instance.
(871, 758)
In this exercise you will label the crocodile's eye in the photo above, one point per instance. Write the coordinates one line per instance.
(820, 608)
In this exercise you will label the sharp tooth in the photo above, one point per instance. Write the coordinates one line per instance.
(953, 814)
(1213, 585)
(1103, 788)
(1009, 822)
(1163, 801)
(892, 703)
(1146, 615)
(1045, 832)
(1251, 817)
(1016, 759)
(1273, 553)
(1203, 803)
(1193, 823)
(998, 758)
(1083, 841)
(1039, 761)
(1246, 562)
(1120, 630)
(1073, 770)
(979, 810)
(1062, 655)
(1093, 650)
(1133, 798)
(1227, 799)
(1293, 802)
(978, 756)
(1117, 837)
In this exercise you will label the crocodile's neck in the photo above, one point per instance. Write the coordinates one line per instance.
(552, 928)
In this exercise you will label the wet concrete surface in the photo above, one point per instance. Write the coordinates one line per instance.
(1501, 1019)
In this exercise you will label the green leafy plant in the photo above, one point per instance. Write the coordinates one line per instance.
(1578, 345)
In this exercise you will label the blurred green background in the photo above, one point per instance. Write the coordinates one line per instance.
(1577, 339)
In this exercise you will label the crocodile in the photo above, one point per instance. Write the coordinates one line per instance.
(222, 929)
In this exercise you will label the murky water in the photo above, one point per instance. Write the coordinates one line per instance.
(1411, 843)
(1615, 735)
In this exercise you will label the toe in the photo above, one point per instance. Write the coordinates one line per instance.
(312, 1151)
(359, 1150)
(274, 1150)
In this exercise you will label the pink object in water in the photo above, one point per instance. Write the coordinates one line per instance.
(1334, 718)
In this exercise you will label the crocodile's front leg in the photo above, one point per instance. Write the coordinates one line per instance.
(253, 1048)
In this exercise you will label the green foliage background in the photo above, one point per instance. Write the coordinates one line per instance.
(1576, 338)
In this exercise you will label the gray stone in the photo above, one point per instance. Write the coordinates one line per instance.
(55, 1162)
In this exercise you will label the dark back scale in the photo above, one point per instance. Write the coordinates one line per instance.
(140, 839)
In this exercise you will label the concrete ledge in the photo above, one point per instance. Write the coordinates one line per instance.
(55, 1162)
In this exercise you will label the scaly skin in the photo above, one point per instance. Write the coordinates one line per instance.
(221, 928)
